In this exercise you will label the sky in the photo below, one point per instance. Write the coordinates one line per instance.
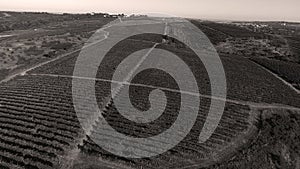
(248, 10)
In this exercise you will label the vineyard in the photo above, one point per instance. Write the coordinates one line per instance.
(287, 70)
(246, 81)
(189, 152)
(294, 43)
(232, 30)
(40, 129)
(242, 75)
(40, 106)
(38, 123)
(215, 36)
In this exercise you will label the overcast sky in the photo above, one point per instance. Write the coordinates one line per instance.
(287, 10)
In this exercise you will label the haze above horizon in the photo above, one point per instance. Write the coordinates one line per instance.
(242, 10)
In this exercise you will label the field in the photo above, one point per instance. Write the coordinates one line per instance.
(26, 42)
(254, 39)
(39, 127)
(241, 74)
(231, 30)
(288, 71)
(277, 145)
(215, 36)
(294, 43)
(42, 109)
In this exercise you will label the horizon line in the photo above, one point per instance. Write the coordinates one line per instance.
(114, 13)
